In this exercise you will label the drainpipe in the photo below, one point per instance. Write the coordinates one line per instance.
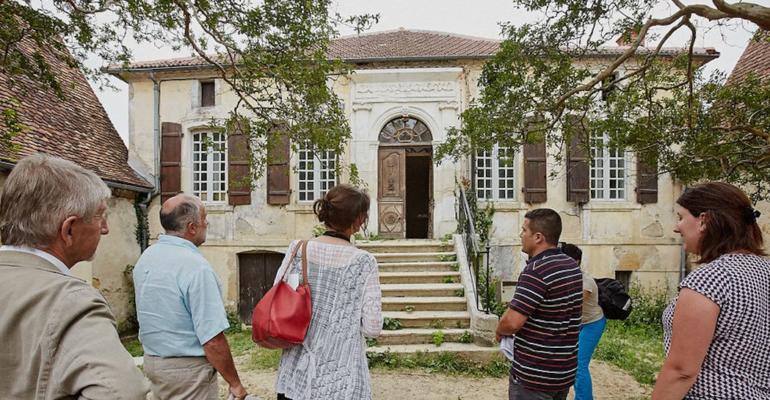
(145, 203)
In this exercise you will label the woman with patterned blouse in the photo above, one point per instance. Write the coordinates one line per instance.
(345, 290)
(717, 330)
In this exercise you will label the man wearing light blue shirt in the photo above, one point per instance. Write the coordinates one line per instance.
(180, 309)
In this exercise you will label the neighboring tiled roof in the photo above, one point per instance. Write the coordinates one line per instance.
(401, 45)
(75, 128)
(755, 58)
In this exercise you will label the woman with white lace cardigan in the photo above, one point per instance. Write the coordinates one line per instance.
(346, 298)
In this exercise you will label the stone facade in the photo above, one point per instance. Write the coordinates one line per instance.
(616, 236)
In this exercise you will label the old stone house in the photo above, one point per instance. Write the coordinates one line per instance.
(407, 88)
(77, 128)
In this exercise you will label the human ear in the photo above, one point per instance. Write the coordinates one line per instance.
(65, 231)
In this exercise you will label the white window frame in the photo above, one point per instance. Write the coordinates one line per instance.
(491, 160)
(603, 173)
(197, 147)
(319, 177)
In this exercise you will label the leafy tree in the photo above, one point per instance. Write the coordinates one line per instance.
(272, 53)
(546, 83)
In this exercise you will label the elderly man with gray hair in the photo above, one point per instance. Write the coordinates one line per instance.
(58, 333)
(180, 309)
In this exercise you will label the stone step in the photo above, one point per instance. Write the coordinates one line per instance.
(418, 266)
(422, 289)
(420, 277)
(415, 256)
(431, 319)
(431, 303)
(468, 351)
(419, 336)
(405, 246)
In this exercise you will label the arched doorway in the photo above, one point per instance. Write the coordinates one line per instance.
(405, 185)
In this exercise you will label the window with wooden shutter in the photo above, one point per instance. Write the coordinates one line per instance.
(646, 182)
(534, 189)
(170, 160)
(208, 94)
(608, 169)
(238, 162)
(278, 151)
(578, 183)
(209, 166)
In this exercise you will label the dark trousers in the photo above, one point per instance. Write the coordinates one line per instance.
(516, 391)
(282, 397)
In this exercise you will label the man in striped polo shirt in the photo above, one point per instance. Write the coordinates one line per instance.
(545, 314)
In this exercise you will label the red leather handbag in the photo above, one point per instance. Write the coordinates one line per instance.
(280, 320)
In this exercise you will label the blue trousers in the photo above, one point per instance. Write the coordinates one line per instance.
(587, 342)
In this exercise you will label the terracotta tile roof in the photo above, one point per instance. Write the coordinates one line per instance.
(75, 128)
(755, 58)
(410, 44)
(401, 45)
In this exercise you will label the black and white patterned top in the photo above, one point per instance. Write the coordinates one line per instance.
(737, 365)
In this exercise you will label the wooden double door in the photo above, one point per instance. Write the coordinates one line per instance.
(256, 273)
(405, 192)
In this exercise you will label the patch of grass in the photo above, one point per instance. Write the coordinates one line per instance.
(449, 279)
(438, 338)
(409, 308)
(636, 349)
(371, 342)
(235, 322)
(460, 292)
(240, 342)
(443, 362)
(448, 257)
(257, 357)
(466, 337)
(455, 267)
(134, 347)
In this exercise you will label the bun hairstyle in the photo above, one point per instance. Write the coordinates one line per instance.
(730, 220)
(341, 206)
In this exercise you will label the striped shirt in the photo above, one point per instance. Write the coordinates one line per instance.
(549, 293)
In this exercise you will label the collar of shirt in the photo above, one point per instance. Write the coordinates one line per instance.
(176, 240)
(40, 253)
(543, 254)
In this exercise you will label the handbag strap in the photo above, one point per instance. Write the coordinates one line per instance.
(305, 282)
(303, 244)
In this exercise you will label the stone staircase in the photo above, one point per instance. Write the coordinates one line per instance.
(422, 291)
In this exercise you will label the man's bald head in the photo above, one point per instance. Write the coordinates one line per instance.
(179, 211)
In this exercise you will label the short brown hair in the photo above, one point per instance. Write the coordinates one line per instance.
(547, 222)
(729, 227)
(341, 206)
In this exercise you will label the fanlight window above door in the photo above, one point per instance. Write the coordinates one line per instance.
(405, 130)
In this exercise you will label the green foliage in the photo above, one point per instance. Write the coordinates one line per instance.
(131, 324)
(460, 292)
(11, 126)
(636, 349)
(442, 362)
(142, 231)
(455, 267)
(371, 342)
(636, 344)
(547, 84)
(437, 338)
(446, 238)
(466, 337)
(134, 347)
(409, 308)
(272, 55)
(449, 279)
(447, 257)
(391, 324)
(318, 230)
(235, 322)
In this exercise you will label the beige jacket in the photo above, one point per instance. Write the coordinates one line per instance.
(58, 338)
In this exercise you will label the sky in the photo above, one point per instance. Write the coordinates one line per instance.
(475, 18)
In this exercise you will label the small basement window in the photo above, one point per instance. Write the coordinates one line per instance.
(625, 278)
(207, 93)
